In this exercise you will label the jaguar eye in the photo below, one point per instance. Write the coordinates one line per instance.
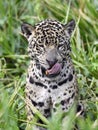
(40, 48)
(41, 45)
(60, 47)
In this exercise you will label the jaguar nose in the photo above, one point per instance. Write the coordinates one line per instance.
(51, 62)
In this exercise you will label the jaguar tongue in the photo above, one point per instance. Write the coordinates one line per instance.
(54, 70)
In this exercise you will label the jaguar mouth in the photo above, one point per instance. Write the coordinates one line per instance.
(54, 70)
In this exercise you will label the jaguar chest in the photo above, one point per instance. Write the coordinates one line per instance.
(62, 85)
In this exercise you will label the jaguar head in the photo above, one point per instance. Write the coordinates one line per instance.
(49, 44)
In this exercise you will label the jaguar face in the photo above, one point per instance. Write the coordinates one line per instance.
(49, 44)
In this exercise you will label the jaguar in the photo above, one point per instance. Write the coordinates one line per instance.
(51, 79)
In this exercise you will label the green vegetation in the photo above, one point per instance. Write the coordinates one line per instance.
(14, 59)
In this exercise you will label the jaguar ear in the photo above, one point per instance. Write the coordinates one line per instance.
(27, 29)
(70, 27)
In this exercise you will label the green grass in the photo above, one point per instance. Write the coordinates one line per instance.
(14, 59)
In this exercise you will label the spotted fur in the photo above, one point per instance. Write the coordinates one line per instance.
(49, 43)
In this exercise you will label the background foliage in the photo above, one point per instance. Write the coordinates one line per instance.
(14, 59)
